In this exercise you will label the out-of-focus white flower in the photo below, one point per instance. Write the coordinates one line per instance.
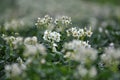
(110, 55)
(31, 50)
(69, 55)
(30, 40)
(43, 61)
(19, 60)
(8, 39)
(18, 41)
(84, 54)
(29, 60)
(14, 25)
(100, 29)
(111, 45)
(76, 44)
(7, 67)
(81, 51)
(51, 36)
(92, 72)
(82, 71)
(15, 41)
(14, 69)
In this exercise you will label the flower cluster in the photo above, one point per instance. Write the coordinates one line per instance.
(14, 69)
(80, 51)
(65, 20)
(75, 33)
(110, 55)
(49, 23)
(15, 41)
(78, 33)
(82, 55)
(44, 21)
(32, 50)
(76, 44)
(51, 36)
(30, 40)
(84, 72)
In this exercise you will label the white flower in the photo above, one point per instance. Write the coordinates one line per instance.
(8, 68)
(92, 72)
(42, 21)
(30, 40)
(63, 20)
(43, 61)
(15, 41)
(88, 32)
(18, 41)
(75, 32)
(83, 54)
(41, 48)
(51, 36)
(81, 51)
(69, 55)
(82, 71)
(110, 55)
(81, 32)
(29, 60)
(76, 44)
(14, 69)
(31, 50)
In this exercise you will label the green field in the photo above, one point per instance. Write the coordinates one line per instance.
(59, 40)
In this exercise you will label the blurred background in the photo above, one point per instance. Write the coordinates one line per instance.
(79, 10)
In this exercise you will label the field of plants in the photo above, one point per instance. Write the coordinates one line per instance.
(59, 40)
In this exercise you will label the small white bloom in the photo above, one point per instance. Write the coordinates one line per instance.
(89, 32)
(43, 61)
